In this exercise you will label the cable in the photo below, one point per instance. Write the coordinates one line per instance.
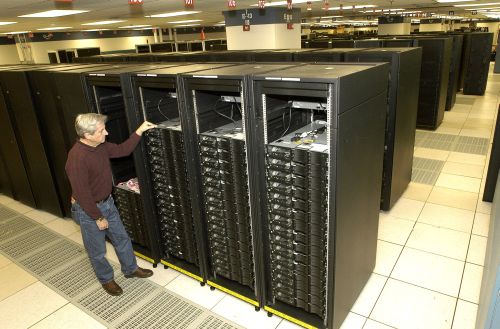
(289, 121)
(222, 115)
(159, 110)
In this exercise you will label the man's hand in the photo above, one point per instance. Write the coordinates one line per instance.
(145, 126)
(102, 223)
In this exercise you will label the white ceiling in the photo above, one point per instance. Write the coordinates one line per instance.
(211, 11)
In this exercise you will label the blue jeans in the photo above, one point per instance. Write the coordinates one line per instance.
(94, 240)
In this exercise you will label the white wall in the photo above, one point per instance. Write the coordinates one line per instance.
(41, 49)
(433, 27)
(266, 36)
(196, 36)
(492, 27)
(394, 29)
(9, 55)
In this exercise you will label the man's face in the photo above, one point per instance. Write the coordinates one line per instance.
(99, 136)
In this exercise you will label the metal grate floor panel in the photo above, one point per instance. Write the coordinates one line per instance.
(63, 265)
(454, 143)
(426, 171)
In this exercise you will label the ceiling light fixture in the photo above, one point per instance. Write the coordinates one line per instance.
(186, 21)
(54, 28)
(172, 14)
(96, 30)
(7, 23)
(283, 3)
(55, 13)
(479, 4)
(187, 25)
(133, 26)
(447, 1)
(350, 7)
(17, 32)
(104, 22)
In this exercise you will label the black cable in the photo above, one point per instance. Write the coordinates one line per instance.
(159, 110)
(289, 121)
(222, 115)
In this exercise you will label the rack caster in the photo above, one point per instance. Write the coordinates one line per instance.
(165, 266)
(269, 314)
(212, 288)
(155, 265)
(257, 308)
(202, 284)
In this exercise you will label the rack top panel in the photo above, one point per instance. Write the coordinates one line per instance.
(49, 67)
(391, 50)
(126, 68)
(336, 50)
(316, 72)
(183, 68)
(240, 70)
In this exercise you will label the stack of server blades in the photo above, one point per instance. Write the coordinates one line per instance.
(129, 205)
(169, 182)
(225, 185)
(297, 205)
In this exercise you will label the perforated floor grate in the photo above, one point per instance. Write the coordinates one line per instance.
(426, 171)
(454, 143)
(63, 265)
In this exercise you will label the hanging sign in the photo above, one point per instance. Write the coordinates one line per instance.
(289, 26)
(246, 17)
(326, 5)
(473, 12)
(451, 13)
(189, 3)
(309, 5)
(231, 4)
(135, 2)
(289, 5)
(246, 26)
(202, 34)
(261, 4)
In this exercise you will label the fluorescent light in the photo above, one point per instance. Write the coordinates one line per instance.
(96, 30)
(482, 9)
(103, 22)
(144, 28)
(282, 3)
(54, 28)
(186, 21)
(133, 26)
(446, 1)
(187, 25)
(479, 4)
(7, 23)
(176, 13)
(350, 7)
(17, 32)
(55, 13)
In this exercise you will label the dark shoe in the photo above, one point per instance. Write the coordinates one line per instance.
(140, 273)
(112, 288)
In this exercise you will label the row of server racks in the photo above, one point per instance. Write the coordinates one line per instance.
(253, 179)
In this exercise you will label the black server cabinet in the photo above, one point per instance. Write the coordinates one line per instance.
(321, 137)
(107, 97)
(273, 56)
(368, 43)
(51, 127)
(21, 111)
(164, 179)
(215, 109)
(456, 60)
(325, 55)
(493, 164)
(397, 43)
(342, 44)
(434, 77)
(476, 62)
(401, 117)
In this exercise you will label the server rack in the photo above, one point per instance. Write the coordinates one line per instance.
(476, 62)
(51, 127)
(106, 97)
(153, 96)
(321, 137)
(368, 43)
(456, 59)
(38, 175)
(401, 116)
(325, 55)
(388, 43)
(215, 110)
(342, 44)
(434, 77)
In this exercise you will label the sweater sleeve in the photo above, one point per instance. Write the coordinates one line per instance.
(79, 179)
(123, 149)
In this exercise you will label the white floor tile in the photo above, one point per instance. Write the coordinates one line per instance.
(417, 191)
(467, 158)
(19, 207)
(483, 207)
(29, 300)
(471, 283)
(69, 316)
(5, 199)
(406, 209)
(447, 217)
(4, 261)
(161, 275)
(284, 324)
(63, 226)
(434, 154)
(387, 255)
(434, 272)
(456, 182)
(477, 249)
(244, 314)
(481, 224)
(463, 169)
(453, 198)
(403, 305)
(476, 132)
(370, 324)
(465, 315)
(441, 241)
(366, 300)
(39, 216)
(353, 321)
(12, 279)
(191, 289)
(393, 229)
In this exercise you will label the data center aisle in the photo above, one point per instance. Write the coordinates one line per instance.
(430, 253)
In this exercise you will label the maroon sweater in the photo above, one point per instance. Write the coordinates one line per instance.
(89, 171)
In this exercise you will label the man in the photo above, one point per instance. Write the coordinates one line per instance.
(92, 206)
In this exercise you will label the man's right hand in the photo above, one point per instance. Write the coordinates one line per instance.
(102, 223)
